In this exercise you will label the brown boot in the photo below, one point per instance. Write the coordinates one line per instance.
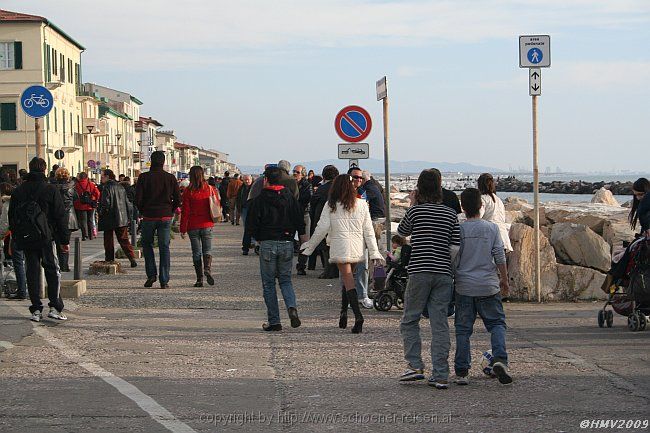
(207, 265)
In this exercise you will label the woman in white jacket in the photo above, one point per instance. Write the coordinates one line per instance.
(493, 209)
(346, 223)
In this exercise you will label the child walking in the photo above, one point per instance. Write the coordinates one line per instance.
(479, 288)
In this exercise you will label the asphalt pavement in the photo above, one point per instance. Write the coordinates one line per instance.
(131, 359)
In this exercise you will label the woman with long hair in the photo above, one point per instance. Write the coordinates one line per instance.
(346, 223)
(493, 209)
(197, 222)
(640, 212)
(435, 241)
(66, 188)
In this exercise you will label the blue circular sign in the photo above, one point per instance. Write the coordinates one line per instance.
(36, 101)
(535, 55)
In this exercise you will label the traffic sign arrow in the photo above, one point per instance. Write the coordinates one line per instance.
(535, 81)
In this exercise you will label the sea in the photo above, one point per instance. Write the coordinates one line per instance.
(460, 181)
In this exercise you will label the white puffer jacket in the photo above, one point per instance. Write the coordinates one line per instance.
(348, 234)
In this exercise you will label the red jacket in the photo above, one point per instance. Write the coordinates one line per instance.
(82, 186)
(195, 212)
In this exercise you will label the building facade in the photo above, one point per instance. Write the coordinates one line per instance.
(34, 51)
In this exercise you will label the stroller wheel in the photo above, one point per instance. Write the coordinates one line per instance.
(384, 302)
(633, 322)
(601, 318)
(609, 318)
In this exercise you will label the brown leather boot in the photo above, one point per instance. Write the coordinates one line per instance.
(207, 265)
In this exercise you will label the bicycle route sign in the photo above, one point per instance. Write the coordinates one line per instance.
(353, 124)
(535, 51)
(36, 101)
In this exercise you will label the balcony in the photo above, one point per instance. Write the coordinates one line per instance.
(76, 143)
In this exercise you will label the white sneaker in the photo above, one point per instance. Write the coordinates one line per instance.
(36, 316)
(56, 314)
(367, 303)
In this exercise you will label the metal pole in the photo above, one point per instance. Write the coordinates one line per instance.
(538, 278)
(38, 137)
(386, 175)
(77, 259)
(134, 235)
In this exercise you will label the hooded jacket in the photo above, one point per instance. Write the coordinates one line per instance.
(35, 187)
(275, 215)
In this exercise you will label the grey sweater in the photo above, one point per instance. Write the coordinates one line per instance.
(481, 249)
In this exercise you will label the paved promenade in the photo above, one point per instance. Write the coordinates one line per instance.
(195, 359)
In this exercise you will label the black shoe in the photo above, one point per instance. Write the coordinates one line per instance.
(257, 250)
(269, 328)
(134, 264)
(150, 281)
(244, 252)
(199, 283)
(301, 272)
(66, 269)
(353, 298)
(84, 238)
(164, 286)
(501, 370)
(293, 316)
(16, 297)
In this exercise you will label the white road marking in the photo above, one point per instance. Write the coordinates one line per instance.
(146, 403)
(92, 256)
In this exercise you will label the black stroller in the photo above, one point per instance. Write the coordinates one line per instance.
(391, 292)
(629, 295)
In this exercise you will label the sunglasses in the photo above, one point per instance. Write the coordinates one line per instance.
(357, 177)
(297, 172)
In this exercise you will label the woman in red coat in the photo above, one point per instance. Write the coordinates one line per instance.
(197, 222)
(85, 204)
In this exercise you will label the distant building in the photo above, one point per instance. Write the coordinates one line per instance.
(146, 131)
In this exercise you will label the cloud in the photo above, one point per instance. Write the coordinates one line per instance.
(150, 34)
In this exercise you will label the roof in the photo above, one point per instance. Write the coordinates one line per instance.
(179, 145)
(148, 120)
(136, 100)
(17, 17)
(105, 109)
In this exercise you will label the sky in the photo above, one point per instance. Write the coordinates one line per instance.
(264, 80)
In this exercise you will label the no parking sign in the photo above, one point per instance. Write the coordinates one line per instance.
(353, 124)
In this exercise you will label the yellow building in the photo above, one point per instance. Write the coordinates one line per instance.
(34, 51)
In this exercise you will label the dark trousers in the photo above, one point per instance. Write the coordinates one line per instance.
(84, 218)
(46, 258)
(122, 235)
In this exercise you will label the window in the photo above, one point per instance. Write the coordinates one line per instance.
(56, 123)
(8, 117)
(70, 71)
(11, 55)
(62, 65)
(53, 63)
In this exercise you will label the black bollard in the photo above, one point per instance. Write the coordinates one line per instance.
(134, 232)
(77, 259)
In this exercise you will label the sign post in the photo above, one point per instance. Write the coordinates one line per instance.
(535, 53)
(36, 102)
(382, 95)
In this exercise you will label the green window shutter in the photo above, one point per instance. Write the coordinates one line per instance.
(18, 55)
(48, 68)
(8, 117)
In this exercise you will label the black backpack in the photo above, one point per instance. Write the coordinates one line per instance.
(31, 230)
(86, 198)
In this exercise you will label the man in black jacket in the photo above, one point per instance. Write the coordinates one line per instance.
(304, 196)
(37, 218)
(273, 218)
(316, 205)
(223, 195)
(115, 211)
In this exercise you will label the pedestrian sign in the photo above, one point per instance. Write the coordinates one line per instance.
(535, 51)
(353, 124)
(36, 101)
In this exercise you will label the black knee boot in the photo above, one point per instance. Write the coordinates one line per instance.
(353, 298)
(343, 317)
(198, 268)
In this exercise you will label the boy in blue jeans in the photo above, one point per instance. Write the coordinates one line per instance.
(479, 288)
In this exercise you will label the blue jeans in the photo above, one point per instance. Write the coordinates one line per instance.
(201, 241)
(276, 258)
(162, 229)
(491, 311)
(18, 260)
(361, 277)
(430, 290)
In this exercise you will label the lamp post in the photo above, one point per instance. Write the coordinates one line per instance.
(90, 129)
(118, 136)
